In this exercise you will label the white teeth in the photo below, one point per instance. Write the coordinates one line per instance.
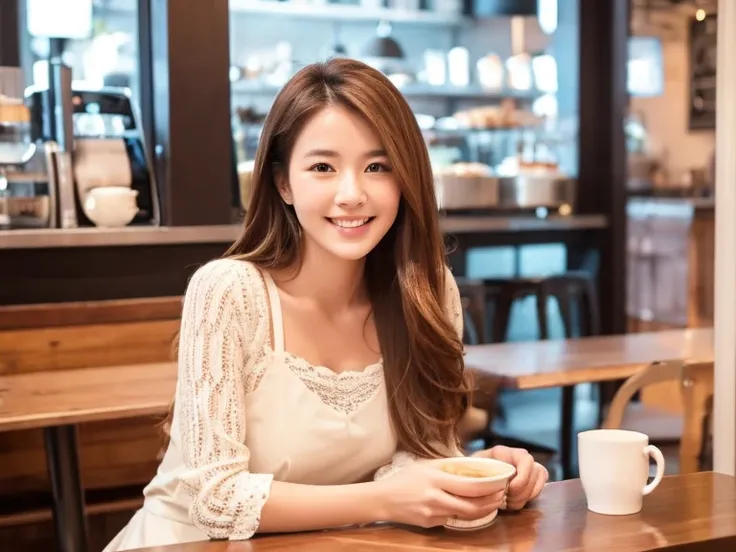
(350, 223)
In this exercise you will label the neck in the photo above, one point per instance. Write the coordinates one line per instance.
(332, 283)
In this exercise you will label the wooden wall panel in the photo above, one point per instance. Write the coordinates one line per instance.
(67, 348)
(73, 274)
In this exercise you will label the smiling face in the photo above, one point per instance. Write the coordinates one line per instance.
(341, 184)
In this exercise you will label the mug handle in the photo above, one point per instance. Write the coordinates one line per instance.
(655, 454)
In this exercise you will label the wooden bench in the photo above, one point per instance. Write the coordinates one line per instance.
(60, 405)
(54, 344)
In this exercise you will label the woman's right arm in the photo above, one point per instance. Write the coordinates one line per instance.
(220, 327)
(218, 332)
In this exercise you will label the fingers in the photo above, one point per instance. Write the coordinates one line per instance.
(470, 508)
(500, 452)
(534, 486)
(435, 521)
(529, 479)
(541, 482)
(466, 487)
(524, 473)
(488, 504)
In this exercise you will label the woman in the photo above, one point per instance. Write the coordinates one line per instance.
(322, 357)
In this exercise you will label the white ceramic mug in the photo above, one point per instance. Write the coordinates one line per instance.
(614, 467)
(110, 206)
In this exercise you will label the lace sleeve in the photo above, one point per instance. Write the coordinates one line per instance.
(217, 330)
(453, 308)
(402, 459)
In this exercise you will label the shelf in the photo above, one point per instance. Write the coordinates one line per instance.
(326, 12)
(342, 12)
(48, 238)
(409, 91)
(462, 92)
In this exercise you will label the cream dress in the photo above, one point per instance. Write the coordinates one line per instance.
(247, 412)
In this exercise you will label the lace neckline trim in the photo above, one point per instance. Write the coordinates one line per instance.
(329, 372)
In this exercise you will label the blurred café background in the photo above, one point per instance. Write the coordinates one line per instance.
(573, 147)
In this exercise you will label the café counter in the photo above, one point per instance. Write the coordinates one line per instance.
(88, 264)
(225, 234)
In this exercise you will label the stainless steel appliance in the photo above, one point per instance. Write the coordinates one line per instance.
(524, 191)
(531, 190)
(455, 192)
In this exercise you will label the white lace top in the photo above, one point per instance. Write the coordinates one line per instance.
(248, 412)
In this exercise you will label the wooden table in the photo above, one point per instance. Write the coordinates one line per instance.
(567, 362)
(57, 402)
(687, 512)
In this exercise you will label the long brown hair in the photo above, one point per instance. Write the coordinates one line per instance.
(404, 274)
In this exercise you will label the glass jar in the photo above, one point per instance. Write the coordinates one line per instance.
(15, 132)
(16, 147)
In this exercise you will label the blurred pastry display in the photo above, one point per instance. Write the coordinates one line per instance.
(505, 115)
(544, 167)
(467, 170)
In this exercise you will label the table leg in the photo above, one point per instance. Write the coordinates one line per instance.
(66, 486)
(567, 432)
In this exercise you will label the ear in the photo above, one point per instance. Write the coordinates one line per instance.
(282, 184)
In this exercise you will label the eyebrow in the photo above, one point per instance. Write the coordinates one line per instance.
(332, 153)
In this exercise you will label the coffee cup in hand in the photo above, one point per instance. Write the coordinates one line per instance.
(485, 476)
(614, 468)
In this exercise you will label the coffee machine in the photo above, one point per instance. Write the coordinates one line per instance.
(94, 140)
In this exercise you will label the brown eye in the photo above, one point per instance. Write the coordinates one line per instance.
(321, 167)
(376, 167)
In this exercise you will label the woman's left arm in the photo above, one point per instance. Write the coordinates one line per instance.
(530, 476)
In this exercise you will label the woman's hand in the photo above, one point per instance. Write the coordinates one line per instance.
(425, 496)
(529, 479)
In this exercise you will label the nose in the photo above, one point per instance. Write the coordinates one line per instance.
(350, 192)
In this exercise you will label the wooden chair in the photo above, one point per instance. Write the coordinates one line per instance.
(697, 391)
(698, 380)
(472, 296)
